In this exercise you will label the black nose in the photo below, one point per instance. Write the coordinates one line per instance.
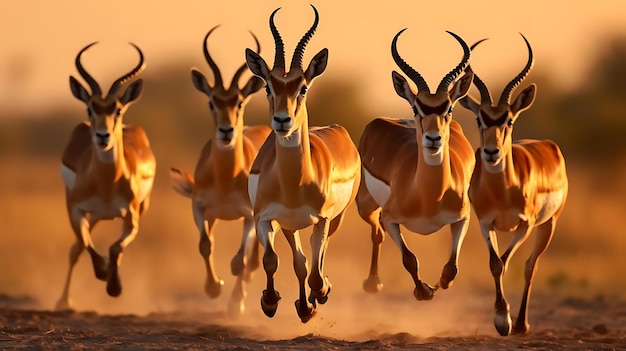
(433, 139)
(491, 152)
(282, 119)
(226, 130)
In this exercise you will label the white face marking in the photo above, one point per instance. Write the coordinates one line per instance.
(377, 188)
(433, 159)
(491, 167)
(69, 177)
(107, 156)
(253, 183)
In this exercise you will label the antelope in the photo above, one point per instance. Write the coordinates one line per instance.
(517, 186)
(108, 169)
(416, 172)
(303, 176)
(219, 187)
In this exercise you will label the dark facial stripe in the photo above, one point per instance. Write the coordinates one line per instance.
(489, 122)
(103, 109)
(429, 110)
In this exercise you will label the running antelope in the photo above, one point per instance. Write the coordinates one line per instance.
(416, 172)
(219, 187)
(517, 186)
(303, 176)
(108, 169)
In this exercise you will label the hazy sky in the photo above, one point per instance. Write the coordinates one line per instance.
(39, 39)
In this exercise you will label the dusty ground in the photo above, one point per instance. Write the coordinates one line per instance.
(570, 324)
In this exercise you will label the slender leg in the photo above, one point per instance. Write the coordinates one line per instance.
(245, 261)
(450, 270)
(371, 212)
(130, 230)
(270, 297)
(317, 281)
(213, 284)
(422, 291)
(543, 236)
(301, 266)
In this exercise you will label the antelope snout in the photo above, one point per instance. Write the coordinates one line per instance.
(281, 123)
(491, 155)
(101, 138)
(226, 133)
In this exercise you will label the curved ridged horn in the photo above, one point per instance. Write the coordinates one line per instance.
(217, 75)
(296, 60)
(485, 95)
(239, 72)
(452, 75)
(506, 93)
(135, 71)
(406, 68)
(279, 58)
(95, 88)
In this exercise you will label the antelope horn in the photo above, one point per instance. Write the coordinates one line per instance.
(296, 60)
(485, 95)
(135, 71)
(506, 93)
(279, 58)
(217, 75)
(406, 68)
(452, 75)
(243, 67)
(95, 88)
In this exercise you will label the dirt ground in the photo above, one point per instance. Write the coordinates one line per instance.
(570, 324)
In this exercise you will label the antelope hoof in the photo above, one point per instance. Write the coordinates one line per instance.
(502, 321)
(100, 267)
(114, 286)
(425, 292)
(237, 265)
(447, 276)
(269, 304)
(372, 285)
(521, 328)
(63, 305)
(236, 309)
(305, 312)
(213, 288)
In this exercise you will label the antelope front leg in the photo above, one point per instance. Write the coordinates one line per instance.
(373, 284)
(213, 284)
(300, 265)
(245, 261)
(129, 233)
(422, 291)
(319, 284)
(543, 237)
(502, 317)
(270, 297)
(450, 270)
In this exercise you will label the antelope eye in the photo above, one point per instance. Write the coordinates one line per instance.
(303, 90)
(240, 104)
(478, 122)
(267, 90)
(118, 112)
(450, 109)
(509, 122)
(414, 110)
(211, 105)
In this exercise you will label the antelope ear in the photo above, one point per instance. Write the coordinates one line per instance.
(402, 87)
(78, 90)
(199, 81)
(132, 93)
(317, 65)
(257, 65)
(524, 100)
(462, 86)
(470, 103)
(254, 84)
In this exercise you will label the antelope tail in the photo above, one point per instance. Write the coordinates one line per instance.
(182, 182)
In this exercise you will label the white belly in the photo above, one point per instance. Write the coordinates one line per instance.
(69, 177)
(342, 194)
(253, 182)
(548, 203)
(424, 225)
(99, 209)
(290, 218)
(377, 188)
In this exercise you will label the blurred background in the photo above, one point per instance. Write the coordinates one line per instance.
(580, 70)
